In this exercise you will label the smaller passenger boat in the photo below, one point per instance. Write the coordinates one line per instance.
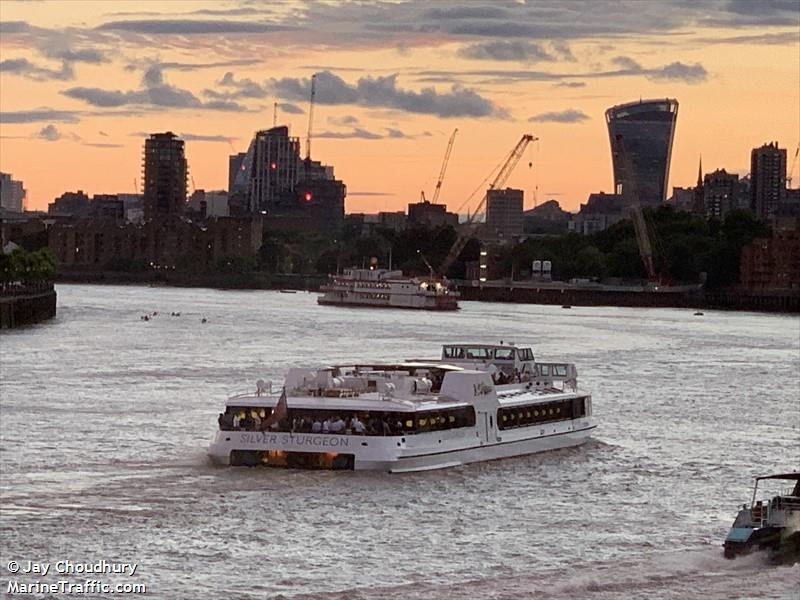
(771, 525)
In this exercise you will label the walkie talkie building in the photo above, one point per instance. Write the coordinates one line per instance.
(647, 128)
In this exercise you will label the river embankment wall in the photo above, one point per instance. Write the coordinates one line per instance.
(523, 293)
(25, 304)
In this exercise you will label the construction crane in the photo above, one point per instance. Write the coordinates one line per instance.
(444, 166)
(275, 115)
(311, 116)
(630, 197)
(468, 229)
(791, 169)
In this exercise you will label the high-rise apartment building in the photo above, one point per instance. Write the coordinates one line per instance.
(504, 214)
(720, 193)
(647, 128)
(767, 179)
(165, 173)
(266, 177)
(294, 193)
(235, 162)
(12, 193)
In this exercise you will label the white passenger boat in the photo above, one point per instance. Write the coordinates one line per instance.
(390, 289)
(479, 402)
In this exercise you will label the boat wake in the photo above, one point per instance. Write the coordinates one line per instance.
(678, 574)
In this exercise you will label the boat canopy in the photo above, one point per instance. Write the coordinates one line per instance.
(786, 476)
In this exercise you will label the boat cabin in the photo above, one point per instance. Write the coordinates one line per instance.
(506, 357)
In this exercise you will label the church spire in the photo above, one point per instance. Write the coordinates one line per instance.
(700, 171)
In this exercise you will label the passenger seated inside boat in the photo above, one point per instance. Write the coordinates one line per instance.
(356, 423)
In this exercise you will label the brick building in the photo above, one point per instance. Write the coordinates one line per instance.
(170, 242)
(773, 263)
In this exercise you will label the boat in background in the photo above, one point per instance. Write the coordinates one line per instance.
(771, 525)
(387, 289)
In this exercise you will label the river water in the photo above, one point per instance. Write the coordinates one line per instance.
(104, 421)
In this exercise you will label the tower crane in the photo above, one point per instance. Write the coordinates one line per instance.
(311, 116)
(630, 196)
(468, 229)
(791, 169)
(444, 166)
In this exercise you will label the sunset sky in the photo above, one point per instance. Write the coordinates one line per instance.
(82, 84)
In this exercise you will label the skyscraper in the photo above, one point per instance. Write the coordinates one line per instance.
(165, 174)
(647, 128)
(234, 166)
(269, 171)
(767, 179)
(12, 193)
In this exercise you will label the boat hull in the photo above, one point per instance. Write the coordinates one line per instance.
(781, 544)
(326, 302)
(395, 454)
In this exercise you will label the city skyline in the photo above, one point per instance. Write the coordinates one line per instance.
(82, 85)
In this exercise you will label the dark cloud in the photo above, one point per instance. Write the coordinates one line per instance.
(191, 27)
(506, 50)
(357, 133)
(678, 71)
(748, 12)
(179, 66)
(383, 92)
(49, 133)
(243, 88)
(626, 62)
(783, 38)
(570, 84)
(562, 50)
(228, 12)
(363, 134)
(14, 27)
(466, 12)
(291, 109)
(155, 91)
(25, 68)
(85, 55)
(569, 115)
(396, 133)
(344, 120)
(39, 115)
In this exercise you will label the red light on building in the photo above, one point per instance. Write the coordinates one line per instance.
(274, 165)
(308, 196)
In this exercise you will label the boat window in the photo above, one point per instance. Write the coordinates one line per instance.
(523, 416)
(477, 353)
(544, 370)
(504, 353)
(346, 422)
(560, 370)
(453, 352)
(525, 353)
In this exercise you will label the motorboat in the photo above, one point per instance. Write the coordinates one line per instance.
(770, 524)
